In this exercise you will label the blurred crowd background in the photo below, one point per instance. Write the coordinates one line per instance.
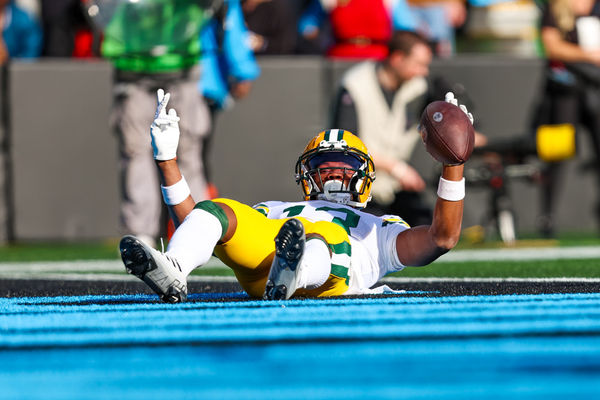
(316, 26)
(519, 64)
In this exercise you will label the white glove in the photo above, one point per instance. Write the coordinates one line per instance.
(164, 129)
(453, 100)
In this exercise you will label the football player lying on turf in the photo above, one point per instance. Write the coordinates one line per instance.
(322, 246)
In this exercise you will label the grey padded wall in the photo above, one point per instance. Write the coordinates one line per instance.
(5, 223)
(65, 170)
(64, 157)
(257, 143)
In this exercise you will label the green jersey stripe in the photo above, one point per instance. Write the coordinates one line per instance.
(341, 248)
(341, 272)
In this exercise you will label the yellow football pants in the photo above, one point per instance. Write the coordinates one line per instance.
(248, 246)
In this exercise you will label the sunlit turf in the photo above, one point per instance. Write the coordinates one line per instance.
(586, 268)
(479, 269)
(472, 239)
(109, 249)
(105, 250)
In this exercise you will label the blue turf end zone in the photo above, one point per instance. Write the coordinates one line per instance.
(130, 346)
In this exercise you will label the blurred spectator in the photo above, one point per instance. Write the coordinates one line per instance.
(382, 102)
(314, 30)
(570, 33)
(21, 33)
(438, 20)
(271, 24)
(31, 7)
(155, 45)
(67, 32)
(228, 69)
(360, 28)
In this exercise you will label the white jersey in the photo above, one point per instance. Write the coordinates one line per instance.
(372, 238)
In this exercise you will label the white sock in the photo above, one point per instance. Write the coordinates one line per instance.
(194, 240)
(315, 266)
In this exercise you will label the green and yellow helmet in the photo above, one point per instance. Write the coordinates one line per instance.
(336, 145)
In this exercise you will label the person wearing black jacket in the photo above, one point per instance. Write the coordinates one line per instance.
(572, 86)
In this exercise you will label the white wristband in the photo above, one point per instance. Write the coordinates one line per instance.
(451, 190)
(176, 193)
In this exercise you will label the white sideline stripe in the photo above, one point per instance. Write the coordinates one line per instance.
(487, 280)
(194, 278)
(79, 266)
(104, 277)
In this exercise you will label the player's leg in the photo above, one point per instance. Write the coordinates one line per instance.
(300, 262)
(192, 245)
(329, 239)
(248, 246)
(159, 271)
(243, 238)
(322, 269)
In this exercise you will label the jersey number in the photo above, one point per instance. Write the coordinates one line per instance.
(350, 221)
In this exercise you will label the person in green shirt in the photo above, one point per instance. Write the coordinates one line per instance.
(154, 44)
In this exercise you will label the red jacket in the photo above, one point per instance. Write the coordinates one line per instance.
(361, 29)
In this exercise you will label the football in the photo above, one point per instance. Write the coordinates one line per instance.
(447, 133)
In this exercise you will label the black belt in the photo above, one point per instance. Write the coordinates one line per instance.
(131, 76)
(364, 41)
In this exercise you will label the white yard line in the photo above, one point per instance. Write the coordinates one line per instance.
(194, 278)
(78, 266)
(487, 280)
(102, 277)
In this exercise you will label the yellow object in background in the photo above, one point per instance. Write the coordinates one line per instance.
(555, 142)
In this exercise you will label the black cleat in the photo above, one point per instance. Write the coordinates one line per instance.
(289, 248)
(160, 272)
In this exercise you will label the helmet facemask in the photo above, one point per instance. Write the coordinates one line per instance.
(350, 182)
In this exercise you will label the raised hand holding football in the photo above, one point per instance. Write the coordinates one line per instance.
(447, 131)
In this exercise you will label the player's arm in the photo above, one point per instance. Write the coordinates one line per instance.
(559, 49)
(165, 138)
(423, 244)
(170, 175)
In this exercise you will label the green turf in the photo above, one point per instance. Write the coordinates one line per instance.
(559, 268)
(586, 268)
(208, 271)
(108, 250)
(59, 251)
